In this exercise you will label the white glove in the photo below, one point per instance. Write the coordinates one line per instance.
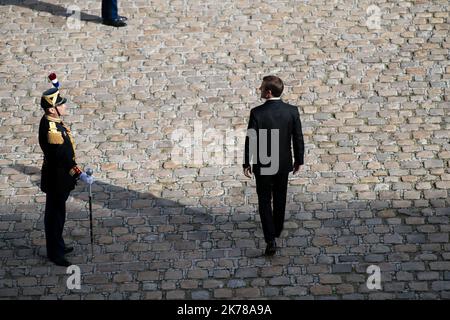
(86, 179)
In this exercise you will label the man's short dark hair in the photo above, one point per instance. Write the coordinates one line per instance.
(274, 84)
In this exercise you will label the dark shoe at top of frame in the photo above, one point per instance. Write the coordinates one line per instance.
(271, 248)
(114, 23)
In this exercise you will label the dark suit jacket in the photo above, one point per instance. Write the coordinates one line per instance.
(274, 114)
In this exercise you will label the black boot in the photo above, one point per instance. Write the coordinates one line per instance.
(68, 250)
(60, 261)
(271, 248)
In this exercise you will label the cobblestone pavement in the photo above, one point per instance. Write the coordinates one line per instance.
(371, 79)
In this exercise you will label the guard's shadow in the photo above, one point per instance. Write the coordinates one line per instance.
(118, 198)
(51, 8)
(114, 206)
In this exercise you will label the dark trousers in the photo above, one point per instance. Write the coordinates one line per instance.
(109, 9)
(55, 217)
(268, 188)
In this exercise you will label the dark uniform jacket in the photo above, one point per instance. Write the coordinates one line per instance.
(275, 114)
(59, 169)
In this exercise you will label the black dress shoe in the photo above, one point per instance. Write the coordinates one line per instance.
(68, 250)
(123, 18)
(61, 262)
(114, 23)
(271, 248)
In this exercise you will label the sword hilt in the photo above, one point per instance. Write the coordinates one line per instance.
(89, 172)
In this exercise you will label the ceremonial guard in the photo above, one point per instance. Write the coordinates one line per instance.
(60, 171)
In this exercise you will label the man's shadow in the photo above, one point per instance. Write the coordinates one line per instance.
(51, 8)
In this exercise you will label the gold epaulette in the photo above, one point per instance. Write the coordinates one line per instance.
(54, 136)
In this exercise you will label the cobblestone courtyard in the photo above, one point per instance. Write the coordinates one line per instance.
(372, 86)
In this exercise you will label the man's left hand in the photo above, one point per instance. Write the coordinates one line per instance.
(296, 168)
(248, 172)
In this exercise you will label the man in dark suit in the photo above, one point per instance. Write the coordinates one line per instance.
(110, 14)
(273, 129)
(59, 175)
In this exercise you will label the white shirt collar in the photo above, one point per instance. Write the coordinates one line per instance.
(274, 98)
